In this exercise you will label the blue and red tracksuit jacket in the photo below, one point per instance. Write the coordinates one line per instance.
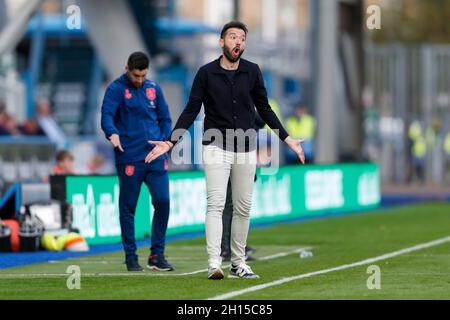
(137, 115)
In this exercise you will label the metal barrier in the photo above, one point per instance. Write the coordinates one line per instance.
(409, 83)
(25, 158)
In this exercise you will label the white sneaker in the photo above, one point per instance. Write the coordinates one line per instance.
(215, 273)
(243, 271)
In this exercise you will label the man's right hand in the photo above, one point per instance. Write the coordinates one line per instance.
(115, 141)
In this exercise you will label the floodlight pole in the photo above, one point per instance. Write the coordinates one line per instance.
(236, 12)
(324, 16)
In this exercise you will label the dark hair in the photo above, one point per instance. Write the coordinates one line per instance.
(63, 155)
(138, 60)
(233, 24)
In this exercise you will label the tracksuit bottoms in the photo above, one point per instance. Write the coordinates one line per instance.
(156, 178)
(219, 166)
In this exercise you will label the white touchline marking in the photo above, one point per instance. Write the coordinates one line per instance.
(82, 262)
(133, 274)
(283, 254)
(345, 266)
(116, 261)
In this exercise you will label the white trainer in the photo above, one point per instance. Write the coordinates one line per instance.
(243, 271)
(215, 273)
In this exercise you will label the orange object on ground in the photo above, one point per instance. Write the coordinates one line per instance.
(73, 240)
(15, 241)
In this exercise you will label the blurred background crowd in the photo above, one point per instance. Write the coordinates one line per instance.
(352, 92)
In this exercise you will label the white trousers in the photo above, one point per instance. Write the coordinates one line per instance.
(219, 165)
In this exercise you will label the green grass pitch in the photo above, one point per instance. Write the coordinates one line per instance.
(336, 241)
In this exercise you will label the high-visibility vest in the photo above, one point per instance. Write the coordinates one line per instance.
(303, 128)
(415, 130)
(419, 143)
(276, 108)
(419, 147)
(293, 127)
(447, 144)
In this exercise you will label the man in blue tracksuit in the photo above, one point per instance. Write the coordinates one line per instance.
(134, 111)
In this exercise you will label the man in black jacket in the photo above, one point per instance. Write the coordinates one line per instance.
(230, 88)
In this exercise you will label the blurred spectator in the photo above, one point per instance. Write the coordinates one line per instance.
(302, 125)
(95, 164)
(64, 163)
(372, 137)
(31, 128)
(447, 157)
(48, 124)
(10, 125)
(418, 151)
(3, 117)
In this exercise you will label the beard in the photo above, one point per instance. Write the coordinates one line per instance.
(229, 54)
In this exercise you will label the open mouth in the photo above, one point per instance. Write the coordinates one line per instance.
(236, 51)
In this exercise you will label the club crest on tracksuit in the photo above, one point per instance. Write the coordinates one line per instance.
(129, 170)
(151, 93)
(128, 94)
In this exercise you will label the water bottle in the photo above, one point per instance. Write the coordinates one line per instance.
(305, 254)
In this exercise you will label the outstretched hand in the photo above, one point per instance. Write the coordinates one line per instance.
(296, 146)
(160, 148)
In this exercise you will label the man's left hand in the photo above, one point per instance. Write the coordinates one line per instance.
(296, 146)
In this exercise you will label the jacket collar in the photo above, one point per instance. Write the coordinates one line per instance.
(243, 66)
(124, 79)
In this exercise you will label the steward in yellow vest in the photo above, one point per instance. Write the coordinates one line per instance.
(303, 126)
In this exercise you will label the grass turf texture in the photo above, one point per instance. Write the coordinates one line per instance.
(336, 241)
